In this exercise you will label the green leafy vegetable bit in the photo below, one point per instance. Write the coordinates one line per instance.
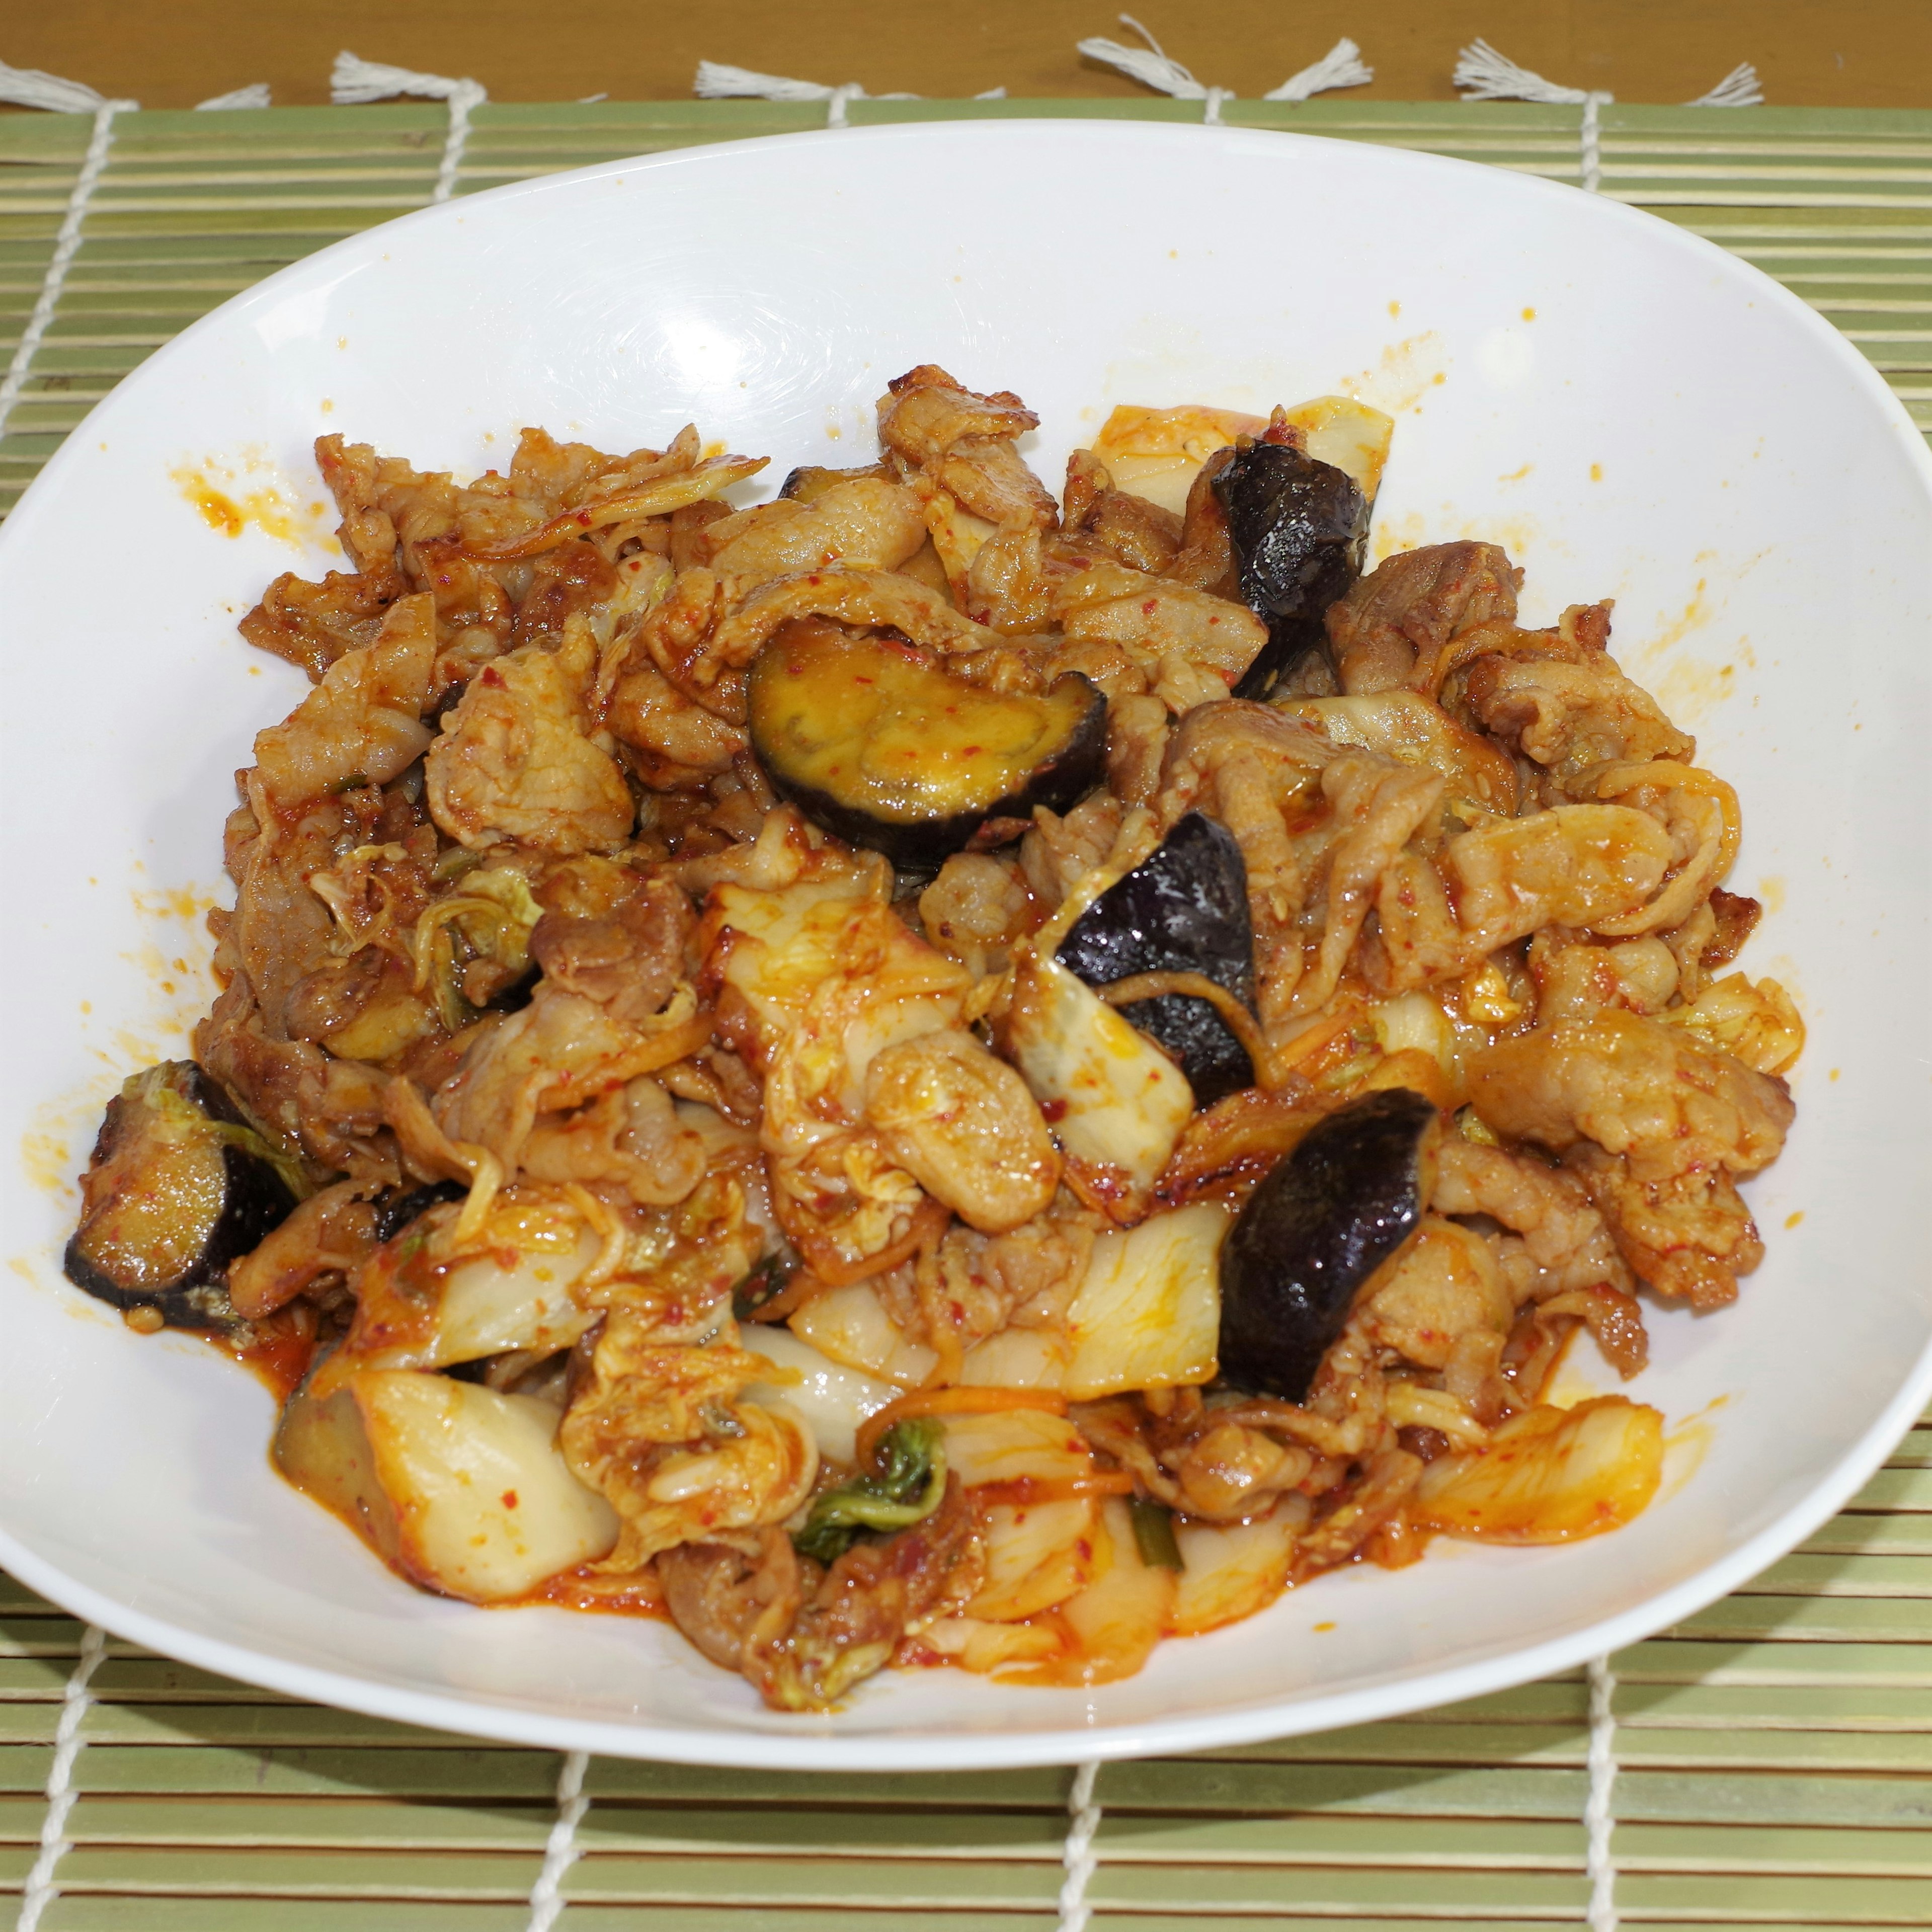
(1153, 1532)
(767, 1280)
(905, 1484)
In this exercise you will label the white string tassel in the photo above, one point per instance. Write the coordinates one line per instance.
(1738, 88)
(1153, 67)
(1599, 1820)
(1077, 1857)
(28, 87)
(1149, 65)
(41, 1891)
(717, 81)
(1341, 66)
(1483, 74)
(354, 82)
(547, 1898)
(255, 96)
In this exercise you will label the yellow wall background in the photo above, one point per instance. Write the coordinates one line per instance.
(171, 53)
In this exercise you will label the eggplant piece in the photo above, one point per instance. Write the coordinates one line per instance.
(178, 1187)
(879, 743)
(1183, 909)
(1327, 1217)
(396, 1207)
(1299, 528)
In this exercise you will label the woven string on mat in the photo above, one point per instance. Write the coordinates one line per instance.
(40, 1890)
(28, 87)
(355, 82)
(1483, 74)
(1151, 65)
(716, 80)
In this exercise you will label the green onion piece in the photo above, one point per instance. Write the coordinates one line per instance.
(1153, 1532)
(354, 782)
(766, 1281)
(907, 1480)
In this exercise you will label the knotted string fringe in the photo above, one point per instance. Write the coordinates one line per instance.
(354, 82)
(28, 87)
(1483, 74)
(1598, 1818)
(1077, 1858)
(717, 81)
(1152, 66)
(1738, 88)
(255, 96)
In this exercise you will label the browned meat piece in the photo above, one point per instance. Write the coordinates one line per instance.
(312, 624)
(1397, 621)
(681, 744)
(1139, 534)
(804, 1636)
(333, 1232)
(1687, 1232)
(1656, 1126)
(722, 1597)
(1570, 716)
(1556, 1240)
(615, 938)
(964, 442)
(1206, 559)
(330, 1111)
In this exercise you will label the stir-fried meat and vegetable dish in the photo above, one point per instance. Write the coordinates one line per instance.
(918, 1073)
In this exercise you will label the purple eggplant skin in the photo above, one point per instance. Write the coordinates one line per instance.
(170, 1199)
(396, 1207)
(1328, 1215)
(1182, 909)
(1299, 528)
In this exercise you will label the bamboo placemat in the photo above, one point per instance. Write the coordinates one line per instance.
(1774, 1752)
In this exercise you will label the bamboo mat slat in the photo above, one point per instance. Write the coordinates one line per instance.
(1775, 1750)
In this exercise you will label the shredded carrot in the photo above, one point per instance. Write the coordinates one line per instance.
(928, 1218)
(953, 1401)
(1026, 1491)
(803, 1288)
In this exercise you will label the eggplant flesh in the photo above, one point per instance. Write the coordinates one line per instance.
(1183, 909)
(178, 1187)
(1299, 527)
(879, 743)
(1327, 1217)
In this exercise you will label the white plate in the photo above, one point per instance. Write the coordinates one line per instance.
(1633, 412)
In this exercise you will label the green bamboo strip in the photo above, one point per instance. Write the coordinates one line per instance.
(1788, 1707)
(412, 1824)
(23, 1768)
(1706, 1848)
(475, 1773)
(932, 1885)
(1900, 1535)
(74, 1912)
(24, 1635)
(1206, 1889)
(1670, 1661)
(1809, 1619)
(1894, 1577)
(1750, 1899)
(911, 1885)
(282, 1872)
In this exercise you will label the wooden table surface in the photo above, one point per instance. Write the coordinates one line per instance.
(1857, 53)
